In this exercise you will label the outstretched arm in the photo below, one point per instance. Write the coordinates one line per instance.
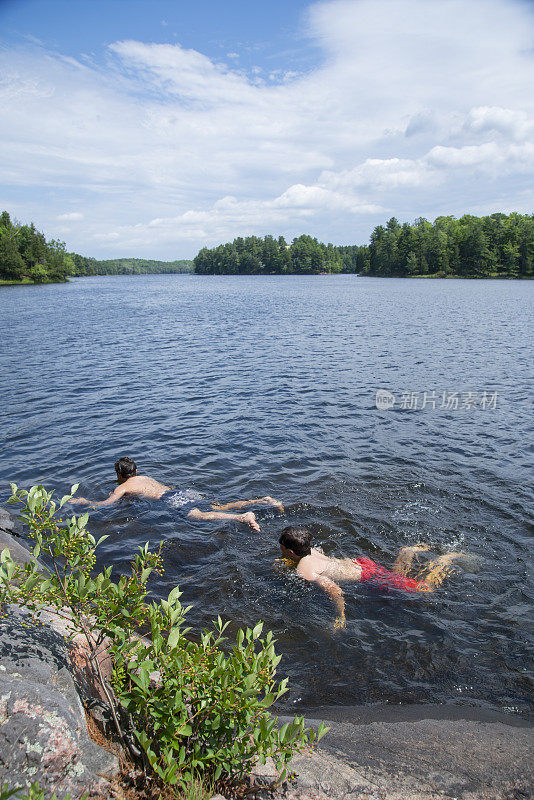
(248, 518)
(114, 496)
(267, 500)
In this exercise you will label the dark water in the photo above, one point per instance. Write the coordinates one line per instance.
(243, 386)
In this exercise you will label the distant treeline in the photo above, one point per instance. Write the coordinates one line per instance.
(26, 256)
(269, 256)
(127, 266)
(495, 246)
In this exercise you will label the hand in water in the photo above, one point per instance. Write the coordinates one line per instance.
(340, 623)
(283, 564)
(78, 500)
(250, 519)
(272, 502)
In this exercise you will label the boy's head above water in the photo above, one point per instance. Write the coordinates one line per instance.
(125, 468)
(296, 542)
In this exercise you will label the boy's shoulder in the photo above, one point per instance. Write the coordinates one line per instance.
(308, 567)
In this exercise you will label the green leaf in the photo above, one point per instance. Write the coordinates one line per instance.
(173, 639)
(6, 793)
(174, 594)
(83, 520)
(283, 731)
(268, 700)
(74, 488)
(185, 730)
(322, 730)
(32, 581)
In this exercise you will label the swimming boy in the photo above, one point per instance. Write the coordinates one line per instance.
(312, 565)
(130, 483)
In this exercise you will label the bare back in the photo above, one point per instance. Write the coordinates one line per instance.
(318, 565)
(143, 486)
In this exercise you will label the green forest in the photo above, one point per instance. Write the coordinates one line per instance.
(127, 266)
(496, 246)
(27, 257)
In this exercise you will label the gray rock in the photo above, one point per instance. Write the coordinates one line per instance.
(7, 521)
(10, 529)
(19, 553)
(378, 755)
(43, 735)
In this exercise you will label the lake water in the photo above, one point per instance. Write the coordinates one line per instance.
(244, 386)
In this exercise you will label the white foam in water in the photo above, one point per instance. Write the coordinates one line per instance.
(182, 497)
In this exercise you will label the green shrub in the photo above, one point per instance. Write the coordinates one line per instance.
(193, 707)
(38, 274)
(33, 792)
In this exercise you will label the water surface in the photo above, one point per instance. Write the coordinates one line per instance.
(239, 386)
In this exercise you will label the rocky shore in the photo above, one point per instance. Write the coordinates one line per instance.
(371, 753)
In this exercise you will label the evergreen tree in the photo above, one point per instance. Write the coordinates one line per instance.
(12, 266)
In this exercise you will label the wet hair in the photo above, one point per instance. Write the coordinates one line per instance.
(125, 467)
(297, 539)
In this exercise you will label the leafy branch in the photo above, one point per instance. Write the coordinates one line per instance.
(192, 706)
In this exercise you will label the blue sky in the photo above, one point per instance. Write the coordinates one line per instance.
(155, 128)
(266, 33)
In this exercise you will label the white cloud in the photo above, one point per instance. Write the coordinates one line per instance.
(490, 157)
(72, 216)
(164, 150)
(513, 124)
(377, 174)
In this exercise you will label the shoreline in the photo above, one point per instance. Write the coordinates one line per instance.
(281, 275)
(416, 756)
(385, 752)
(394, 714)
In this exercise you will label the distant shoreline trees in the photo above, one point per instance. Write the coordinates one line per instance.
(27, 257)
(269, 256)
(85, 266)
(495, 246)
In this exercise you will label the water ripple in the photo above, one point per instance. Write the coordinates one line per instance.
(233, 387)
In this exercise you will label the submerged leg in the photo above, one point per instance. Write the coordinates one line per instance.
(248, 518)
(403, 563)
(267, 500)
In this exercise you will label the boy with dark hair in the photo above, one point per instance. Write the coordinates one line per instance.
(312, 565)
(142, 486)
(125, 468)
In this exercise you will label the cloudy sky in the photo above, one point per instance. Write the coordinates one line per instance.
(152, 129)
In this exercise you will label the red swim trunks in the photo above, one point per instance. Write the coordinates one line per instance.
(385, 579)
